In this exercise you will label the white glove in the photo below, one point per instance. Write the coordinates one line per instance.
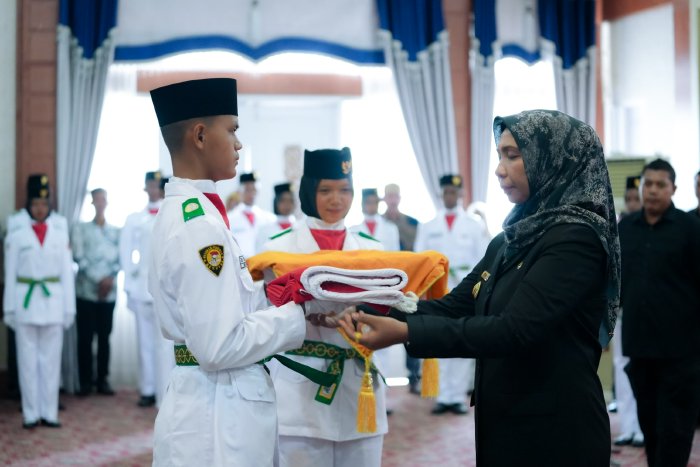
(68, 321)
(10, 320)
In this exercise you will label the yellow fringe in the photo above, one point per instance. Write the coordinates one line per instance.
(430, 379)
(366, 402)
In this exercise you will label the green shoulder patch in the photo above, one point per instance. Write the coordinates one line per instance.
(364, 235)
(213, 258)
(279, 234)
(191, 209)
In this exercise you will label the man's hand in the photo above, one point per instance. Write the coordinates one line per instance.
(329, 320)
(377, 332)
(104, 287)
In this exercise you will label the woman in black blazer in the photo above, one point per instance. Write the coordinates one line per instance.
(538, 308)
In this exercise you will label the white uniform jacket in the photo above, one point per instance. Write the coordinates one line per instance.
(222, 411)
(50, 264)
(270, 229)
(464, 244)
(135, 252)
(386, 232)
(244, 232)
(299, 414)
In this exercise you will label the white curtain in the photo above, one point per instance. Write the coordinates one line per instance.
(482, 96)
(79, 95)
(575, 87)
(425, 93)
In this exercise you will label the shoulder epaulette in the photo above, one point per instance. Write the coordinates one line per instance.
(279, 234)
(191, 209)
(368, 236)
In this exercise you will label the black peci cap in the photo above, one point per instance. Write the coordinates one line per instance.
(367, 192)
(153, 175)
(332, 164)
(451, 180)
(196, 98)
(283, 188)
(37, 186)
(633, 182)
(248, 177)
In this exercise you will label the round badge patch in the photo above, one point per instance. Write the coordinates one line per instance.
(213, 258)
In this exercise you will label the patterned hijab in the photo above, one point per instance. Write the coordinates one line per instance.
(569, 184)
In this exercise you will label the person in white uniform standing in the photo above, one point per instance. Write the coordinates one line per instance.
(247, 219)
(375, 225)
(283, 205)
(220, 405)
(318, 424)
(462, 239)
(135, 256)
(39, 302)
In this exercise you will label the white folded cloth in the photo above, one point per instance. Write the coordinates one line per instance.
(377, 286)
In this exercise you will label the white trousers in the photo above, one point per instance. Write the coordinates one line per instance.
(165, 362)
(626, 403)
(146, 328)
(299, 451)
(456, 378)
(39, 367)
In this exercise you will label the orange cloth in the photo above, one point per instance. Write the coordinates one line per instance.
(427, 271)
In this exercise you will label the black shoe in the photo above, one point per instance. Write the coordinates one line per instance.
(105, 389)
(440, 409)
(83, 392)
(624, 440)
(61, 406)
(459, 409)
(146, 401)
(49, 424)
(414, 388)
(30, 425)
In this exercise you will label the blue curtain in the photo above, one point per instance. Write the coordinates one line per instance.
(89, 20)
(414, 23)
(569, 24)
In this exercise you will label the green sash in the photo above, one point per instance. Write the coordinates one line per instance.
(33, 283)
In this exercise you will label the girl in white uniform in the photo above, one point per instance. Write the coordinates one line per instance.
(317, 430)
(39, 302)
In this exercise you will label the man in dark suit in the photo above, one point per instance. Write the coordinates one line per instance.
(661, 298)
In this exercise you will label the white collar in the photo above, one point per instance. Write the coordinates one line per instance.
(315, 223)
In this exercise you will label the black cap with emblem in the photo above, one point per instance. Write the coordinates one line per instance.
(329, 164)
(37, 186)
(633, 182)
(367, 192)
(451, 180)
(248, 177)
(196, 98)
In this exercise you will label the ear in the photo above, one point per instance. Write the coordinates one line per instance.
(199, 134)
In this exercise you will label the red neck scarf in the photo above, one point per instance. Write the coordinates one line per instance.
(40, 229)
(450, 218)
(329, 239)
(371, 226)
(284, 224)
(250, 216)
(216, 201)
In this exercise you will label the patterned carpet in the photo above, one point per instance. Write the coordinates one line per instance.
(112, 431)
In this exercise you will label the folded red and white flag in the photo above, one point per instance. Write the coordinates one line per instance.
(380, 287)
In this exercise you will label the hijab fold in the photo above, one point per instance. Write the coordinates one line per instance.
(569, 184)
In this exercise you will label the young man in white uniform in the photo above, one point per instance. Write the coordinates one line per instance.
(220, 405)
(39, 302)
(247, 219)
(318, 428)
(135, 257)
(463, 240)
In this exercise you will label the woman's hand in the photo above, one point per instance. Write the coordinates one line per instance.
(377, 332)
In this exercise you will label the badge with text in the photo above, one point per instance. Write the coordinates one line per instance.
(213, 258)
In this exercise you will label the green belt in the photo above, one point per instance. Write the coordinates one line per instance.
(34, 282)
(328, 381)
(337, 356)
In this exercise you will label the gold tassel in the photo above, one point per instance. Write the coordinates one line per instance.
(430, 379)
(366, 402)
